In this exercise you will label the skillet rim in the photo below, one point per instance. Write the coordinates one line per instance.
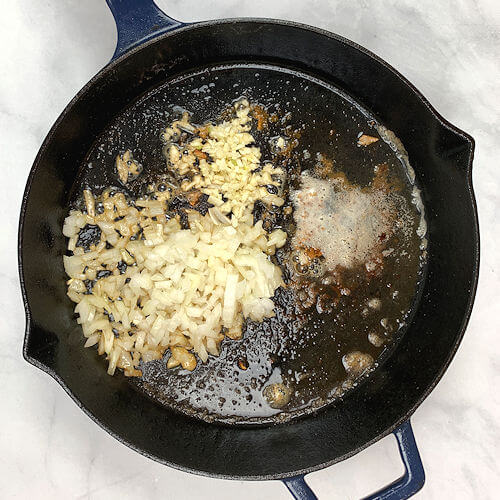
(300, 26)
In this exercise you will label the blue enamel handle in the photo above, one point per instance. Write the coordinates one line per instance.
(406, 486)
(138, 21)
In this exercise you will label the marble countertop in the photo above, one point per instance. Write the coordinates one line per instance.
(450, 51)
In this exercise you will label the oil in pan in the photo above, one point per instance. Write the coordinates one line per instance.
(332, 326)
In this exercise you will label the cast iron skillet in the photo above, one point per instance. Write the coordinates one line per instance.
(153, 48)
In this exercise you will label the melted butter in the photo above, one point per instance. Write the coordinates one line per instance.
(348, 224)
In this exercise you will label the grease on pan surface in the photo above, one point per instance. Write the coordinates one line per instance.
(344, 301)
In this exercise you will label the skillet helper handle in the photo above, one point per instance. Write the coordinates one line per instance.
(138, 21)
(414, 477)
(299, 488)
(406, 486)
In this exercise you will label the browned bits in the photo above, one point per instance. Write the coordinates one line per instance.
(200, 154)
(381, 178)
(277, 395)
(312, 253)
(356, 363)
(324, 167)
(262, 117)
(374, 266)
(235, 332)
(376, 339)
(325, 303)
(306, 296)
(383, 181)
(184, 357)
(243, 363)
(386, 324)
(375, 303)
(305, 258)
(291, 145)
(193, 197)
(202, 131)
(366, 140)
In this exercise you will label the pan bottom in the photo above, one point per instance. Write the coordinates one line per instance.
(301, 349)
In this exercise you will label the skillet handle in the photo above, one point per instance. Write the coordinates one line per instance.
(406, 486)
(138, 21)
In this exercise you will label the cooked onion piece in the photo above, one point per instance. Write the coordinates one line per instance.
(126, 167)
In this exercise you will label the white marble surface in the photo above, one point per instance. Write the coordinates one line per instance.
(450, 50)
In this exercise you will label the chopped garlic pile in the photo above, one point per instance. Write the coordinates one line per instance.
(224, 166)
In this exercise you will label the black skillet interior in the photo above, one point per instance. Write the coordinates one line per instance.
(307, 358)
(441, 157)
